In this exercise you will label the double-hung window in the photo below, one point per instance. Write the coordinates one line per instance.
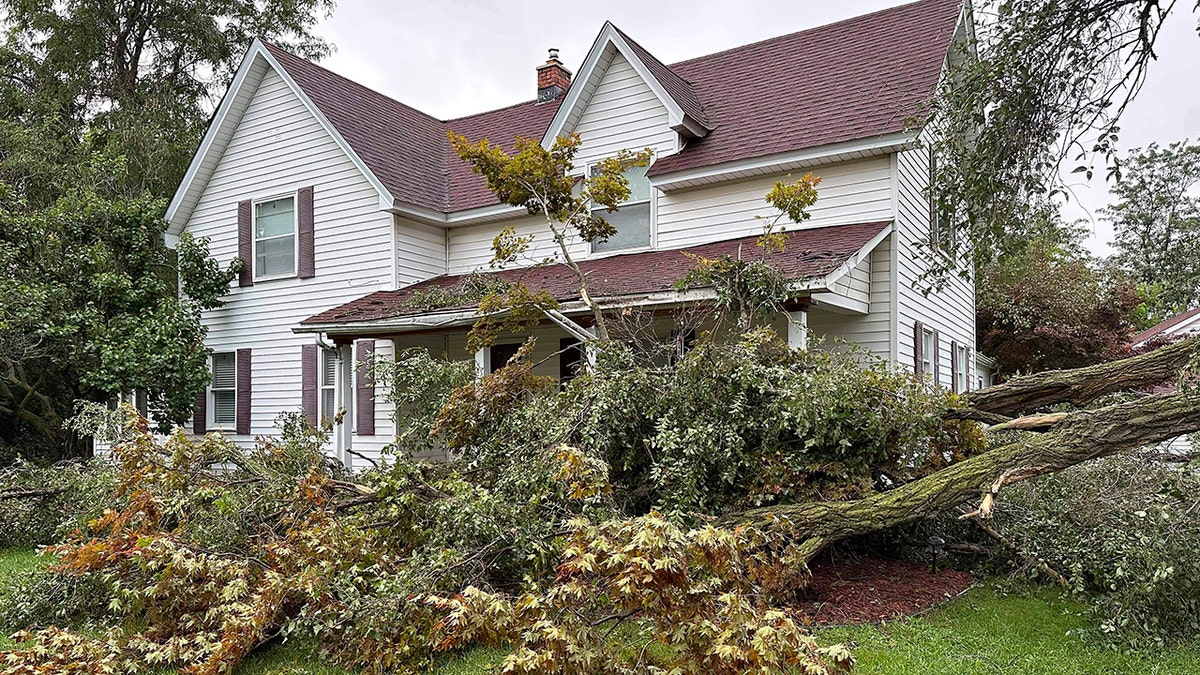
(962, 362)
(632, 220)
(224, 389)
(275, 238)
(928, 352)
(328, 384)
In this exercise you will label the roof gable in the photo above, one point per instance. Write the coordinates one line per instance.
(259, 60)
(686, 114)
(856, 81)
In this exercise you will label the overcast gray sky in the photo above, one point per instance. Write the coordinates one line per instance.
(455, 58)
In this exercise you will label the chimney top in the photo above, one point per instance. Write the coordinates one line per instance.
(553, 79)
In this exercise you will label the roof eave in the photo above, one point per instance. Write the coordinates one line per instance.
(876, 146)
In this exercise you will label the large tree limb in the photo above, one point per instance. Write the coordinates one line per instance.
(1078, 437)
(1082, 386)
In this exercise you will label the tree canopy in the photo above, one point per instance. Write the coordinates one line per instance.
(1156, 217)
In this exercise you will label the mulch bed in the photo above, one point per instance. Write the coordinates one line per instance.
(868, 590)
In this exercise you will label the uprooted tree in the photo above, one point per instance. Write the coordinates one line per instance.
(537, 536)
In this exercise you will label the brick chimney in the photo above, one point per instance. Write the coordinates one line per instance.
(553, 78)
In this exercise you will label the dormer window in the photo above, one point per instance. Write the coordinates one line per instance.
(632, 221)
(275, 238)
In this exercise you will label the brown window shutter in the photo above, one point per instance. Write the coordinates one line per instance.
(200, 413)
(936, 359)
(954, 366)
(918, 348)
(243, 391)
(245, 245)
(309, 354)
(306, 266)
(364, 389)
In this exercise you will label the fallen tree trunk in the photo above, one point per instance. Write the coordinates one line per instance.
(1081, 386)
(1061, 441)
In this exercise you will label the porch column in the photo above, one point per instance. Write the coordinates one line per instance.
(343, 381)
(798, 329)
(483, 362)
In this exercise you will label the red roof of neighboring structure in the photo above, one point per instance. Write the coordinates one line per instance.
(855, 79)
(1165, 327)
(809, 253)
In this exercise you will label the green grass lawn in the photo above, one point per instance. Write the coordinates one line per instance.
(986, 631)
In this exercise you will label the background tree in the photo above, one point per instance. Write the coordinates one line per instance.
(1157, 221)
(115, 94)
(92, 302)
(1043, 83)
(1050, 305)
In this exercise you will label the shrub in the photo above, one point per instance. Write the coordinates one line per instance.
(1125, 531)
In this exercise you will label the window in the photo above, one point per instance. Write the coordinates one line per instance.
(632, 221)
(928, 352)
(328, 384)
(275, 238)
(224, 389)
(498, 355)
(962, 363)
(570, 360)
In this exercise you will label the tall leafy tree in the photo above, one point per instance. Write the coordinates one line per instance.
(1051, 306)
(1043, 82)
(115, 94)
(93, 302)
(1157, 221)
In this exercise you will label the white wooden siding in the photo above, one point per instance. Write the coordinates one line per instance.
(420, 251)
(851, 192)
(950, 311)
(470, 248)
(871, 331)
(279, 147)
(623, 114)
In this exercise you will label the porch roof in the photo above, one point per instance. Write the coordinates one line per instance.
(810, 254)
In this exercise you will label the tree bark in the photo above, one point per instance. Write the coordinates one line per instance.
(1064, 441)
(1082, 386)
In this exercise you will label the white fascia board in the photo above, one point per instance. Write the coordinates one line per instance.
(825, 154)
(609, 36)
(482, 214)
(257, 50)
(206, 144)
(837, 301)
(858, 257)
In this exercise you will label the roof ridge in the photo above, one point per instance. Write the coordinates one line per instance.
(831, 24)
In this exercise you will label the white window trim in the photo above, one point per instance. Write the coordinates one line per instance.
(327, 356)
(295, 196)
(652, 200)
(210, 421)
(962, 378)
(928, 358)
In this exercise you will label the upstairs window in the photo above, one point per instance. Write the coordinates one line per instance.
(328, 384)
(632, 221)
(224, 389)
(275, 238)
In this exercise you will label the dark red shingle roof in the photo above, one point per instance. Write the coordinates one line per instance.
(809, 253)
(860, 78)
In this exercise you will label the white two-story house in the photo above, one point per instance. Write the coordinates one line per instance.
(344, 203)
